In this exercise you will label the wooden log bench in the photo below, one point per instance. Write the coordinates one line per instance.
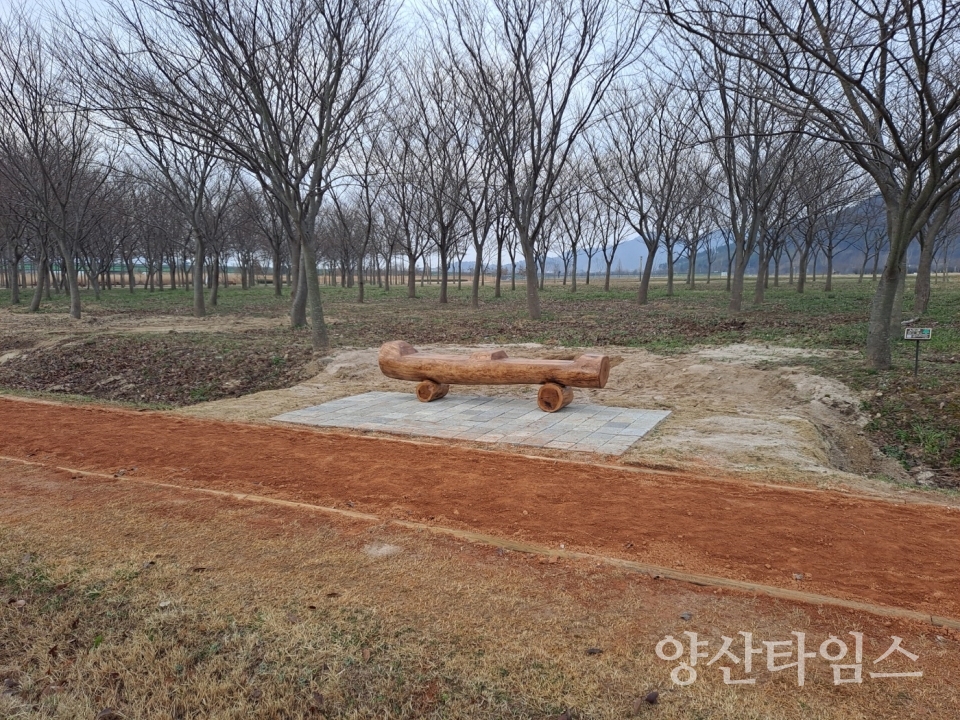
(435, 373)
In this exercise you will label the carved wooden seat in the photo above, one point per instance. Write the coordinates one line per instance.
(435, 373)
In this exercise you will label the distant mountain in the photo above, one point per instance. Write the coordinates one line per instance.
(853, 225)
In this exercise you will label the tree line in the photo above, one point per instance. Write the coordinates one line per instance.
(343, 136)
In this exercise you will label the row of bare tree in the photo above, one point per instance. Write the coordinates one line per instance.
(344, 133)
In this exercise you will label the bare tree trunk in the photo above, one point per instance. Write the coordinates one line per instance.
(215, 280)
(41, 280)
(199, 255)
(928, 238)
(533, 296)
(411, 277)
(475, 287)
(740, 260)
(761, 277)
(801, 270)
(94, 284)
(295, 277)
(15, 280)
(360, 283)
(277, 274)
(884, 310)
(669, 272)
(443, 278)
(319, 338)
(644, 292)
(70, 268)
(298, 308)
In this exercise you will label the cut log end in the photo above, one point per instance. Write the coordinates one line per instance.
(552, 397)
(428, 390)
(599, 364)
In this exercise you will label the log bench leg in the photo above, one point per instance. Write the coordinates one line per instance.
(428, 390)
(551, 397)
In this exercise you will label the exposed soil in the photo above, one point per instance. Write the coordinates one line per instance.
(905, 555)
(141, 598)
(172, 368)
(731, 408)
(747, 407)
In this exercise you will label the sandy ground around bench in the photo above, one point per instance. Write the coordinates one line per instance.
(742, 408)
(738, 408)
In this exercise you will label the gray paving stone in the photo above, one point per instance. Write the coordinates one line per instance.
(517, 421)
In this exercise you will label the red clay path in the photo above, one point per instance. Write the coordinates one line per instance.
(903, 555)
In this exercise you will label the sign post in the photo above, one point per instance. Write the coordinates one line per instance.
(918, 335)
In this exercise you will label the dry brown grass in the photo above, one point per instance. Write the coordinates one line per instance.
(167, 604)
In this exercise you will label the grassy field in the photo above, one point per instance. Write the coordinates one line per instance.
(916, 421)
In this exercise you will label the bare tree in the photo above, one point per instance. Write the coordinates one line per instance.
(361, 197)
(753, 144)
(609, 228)
(278, 86)
(398, 156)
(47, 140)
(264, 214)
(947, 237)
(183, 166)
(441, 133)
(928, 238)
(869, 218)
(538, 71)
(695, 219)
(882, 81)
(579, 205)
(14, 237)
(648, 132)
(822, 188)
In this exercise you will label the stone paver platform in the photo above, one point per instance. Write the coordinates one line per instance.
(588, 428)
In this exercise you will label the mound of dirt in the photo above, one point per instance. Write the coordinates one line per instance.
(732, 409)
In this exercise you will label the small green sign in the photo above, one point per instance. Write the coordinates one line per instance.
(913, 333)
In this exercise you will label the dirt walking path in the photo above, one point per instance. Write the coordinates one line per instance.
(832, 543)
